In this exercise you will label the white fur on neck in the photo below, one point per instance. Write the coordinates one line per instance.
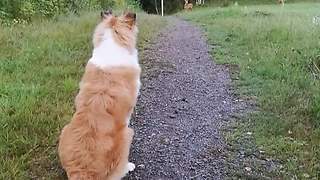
(109, 53)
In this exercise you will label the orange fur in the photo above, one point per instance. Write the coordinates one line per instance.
(122, 27)
(95, 144)
(187, 5)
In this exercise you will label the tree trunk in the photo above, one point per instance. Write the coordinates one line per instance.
(156, 6)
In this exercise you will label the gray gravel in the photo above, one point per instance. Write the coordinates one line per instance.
(185, 100)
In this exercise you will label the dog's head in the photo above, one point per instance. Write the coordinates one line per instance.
(126, 20)
(123, 28)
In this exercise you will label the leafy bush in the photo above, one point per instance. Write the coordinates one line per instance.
(133, 4)
(106, 3)
(17, 11)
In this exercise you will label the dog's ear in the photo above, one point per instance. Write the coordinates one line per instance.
(106, 13)
(130, 18)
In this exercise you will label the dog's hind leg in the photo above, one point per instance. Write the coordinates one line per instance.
(124, 166)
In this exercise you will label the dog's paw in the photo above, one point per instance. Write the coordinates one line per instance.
(131, 166)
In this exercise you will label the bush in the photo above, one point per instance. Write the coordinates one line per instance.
(133, 4)
(106, 4)
(16, 11)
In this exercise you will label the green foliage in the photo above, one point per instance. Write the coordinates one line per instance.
(154, 6)
(106, 4)
(173, 6)
(277, 50)
(134, 4)
(127, 4)
(16, 11)
(225, 3)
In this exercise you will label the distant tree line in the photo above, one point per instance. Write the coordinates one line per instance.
(25, 10)
(172, 6)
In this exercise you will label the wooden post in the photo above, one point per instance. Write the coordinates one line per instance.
(161, 7)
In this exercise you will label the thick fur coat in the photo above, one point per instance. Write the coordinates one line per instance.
(95, 144)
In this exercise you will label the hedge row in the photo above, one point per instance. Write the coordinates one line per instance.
(18, 11)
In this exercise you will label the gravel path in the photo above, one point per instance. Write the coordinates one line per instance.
(184, 101)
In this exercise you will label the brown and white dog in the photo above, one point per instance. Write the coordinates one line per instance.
(95, 144)
(281, 2)
(187, 5)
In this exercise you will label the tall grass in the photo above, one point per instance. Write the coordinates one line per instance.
(277, 50)
(40, 67)
(225, 3)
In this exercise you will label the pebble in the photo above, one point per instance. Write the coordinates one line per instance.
(248, 169)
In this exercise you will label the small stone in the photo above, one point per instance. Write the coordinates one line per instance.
(306, 175)
(184, 99)
(248, 169)
(153, 134)
(142, 166)
(249, 133)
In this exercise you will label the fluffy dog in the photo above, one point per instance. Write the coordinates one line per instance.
(281, 2)
(187, 5)
(95, 144)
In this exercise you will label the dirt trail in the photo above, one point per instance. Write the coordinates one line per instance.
(184, 101)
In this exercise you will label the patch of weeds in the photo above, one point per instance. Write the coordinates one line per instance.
(246, 160)
(234, 71)
(314, 67)
(258, 13)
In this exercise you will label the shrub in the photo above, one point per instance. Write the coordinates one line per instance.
(16, 11)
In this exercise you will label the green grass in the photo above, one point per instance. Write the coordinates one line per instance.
(277, 50)
(40, 67)
(225, 3)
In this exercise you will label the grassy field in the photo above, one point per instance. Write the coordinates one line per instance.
(40, 67)
(224, 3)
(278, 53)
